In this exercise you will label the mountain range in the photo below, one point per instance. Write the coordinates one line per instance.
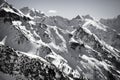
(38, 47)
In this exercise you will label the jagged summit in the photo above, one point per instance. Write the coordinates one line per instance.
(32, 12)
(78, 17)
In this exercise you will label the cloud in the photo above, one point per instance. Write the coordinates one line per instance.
(52, 11)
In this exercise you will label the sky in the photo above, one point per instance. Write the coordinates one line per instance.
(71, 8)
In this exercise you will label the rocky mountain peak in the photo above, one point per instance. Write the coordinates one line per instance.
(32, 12)
(78, 17)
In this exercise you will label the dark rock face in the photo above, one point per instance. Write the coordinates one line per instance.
(16, 63)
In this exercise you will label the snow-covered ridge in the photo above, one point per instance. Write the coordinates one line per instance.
(12, 13)
(94, 24)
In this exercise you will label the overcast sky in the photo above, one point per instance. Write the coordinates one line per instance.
(71, 8)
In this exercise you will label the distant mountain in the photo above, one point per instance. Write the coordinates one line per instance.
(113, 23)
(87, 17)
(32, 12)
(43, 47)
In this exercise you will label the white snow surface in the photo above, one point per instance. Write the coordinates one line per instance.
(89, 22)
